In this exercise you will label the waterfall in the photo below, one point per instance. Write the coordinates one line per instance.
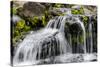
(90, 35)
(90, 27)
(48, 42)
(84, 35)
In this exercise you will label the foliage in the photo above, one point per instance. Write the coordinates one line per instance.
(14, 10)
(85, 19)
(43, 20)
(35, 19)
(19, 30)
(57, 5)
(77, 11)
(20, 25)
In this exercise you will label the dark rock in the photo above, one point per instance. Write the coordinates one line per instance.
(47, 5)
(50, 44)
(31, 9)
(55, 12)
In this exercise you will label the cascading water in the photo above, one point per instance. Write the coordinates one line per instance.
(90, 31)
(48, 42)
(84, 35)
(90, 36)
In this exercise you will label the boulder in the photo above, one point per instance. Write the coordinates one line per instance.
(55, 12)
(31, 9)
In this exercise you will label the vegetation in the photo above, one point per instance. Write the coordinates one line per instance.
(78, 11)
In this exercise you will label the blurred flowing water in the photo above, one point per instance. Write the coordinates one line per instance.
(49, 45)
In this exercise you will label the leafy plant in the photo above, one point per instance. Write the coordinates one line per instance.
(77, 11)
(44, 21)
(20, 24)
(14, 10)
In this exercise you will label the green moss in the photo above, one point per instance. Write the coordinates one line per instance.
(14, 10)
(19, 30)
(35, 19)
(44, 21)
(27, 28)
(16, 33)
(77, 11)
(85, 20)
(81, 11)
(57, 5)
(20, 24)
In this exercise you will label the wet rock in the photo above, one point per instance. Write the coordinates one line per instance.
(47, 5)
(55, 12)
(48, 45)
(18, 3)
(90, 10)
(31, 9)
(75, 28)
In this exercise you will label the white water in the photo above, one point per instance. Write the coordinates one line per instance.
(30, 49)
(32, 45)
(90, 34)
